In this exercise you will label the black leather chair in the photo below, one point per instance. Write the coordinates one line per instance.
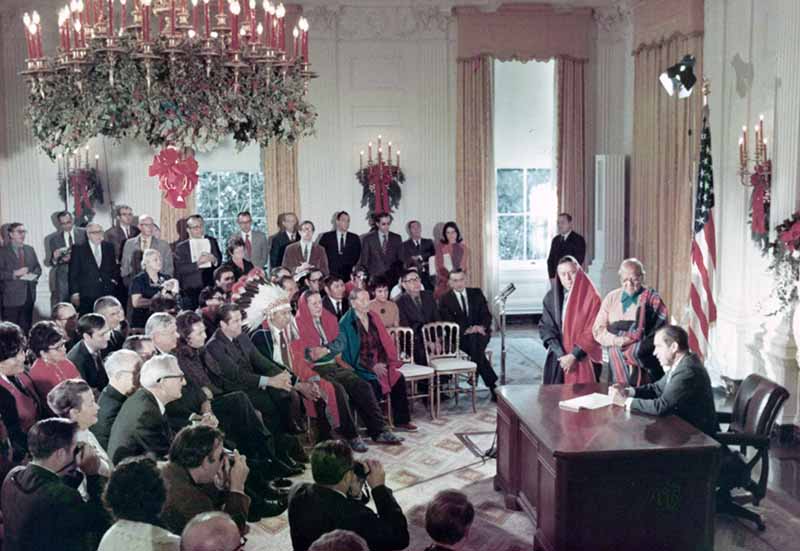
(750, 423)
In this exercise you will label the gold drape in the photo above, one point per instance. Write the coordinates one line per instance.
(575, 193)
(666, 141)
(170, 216)
(281, 189)
(475, 166)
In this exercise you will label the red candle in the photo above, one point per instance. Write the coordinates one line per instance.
(172, 17)
(235, 10)
(273, 36)
(195, 17)
(280, 13)
(207, 17)
(110, 17)
(253, 37)
(146, 20)
(295, 47)
(304, 37)
(123, 16)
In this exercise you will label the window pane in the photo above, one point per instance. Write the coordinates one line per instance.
(222, 195)
(538, 236)
(511, 237)
(510, 196)
(542, 205)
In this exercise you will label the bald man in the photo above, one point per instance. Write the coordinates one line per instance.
(210, 532)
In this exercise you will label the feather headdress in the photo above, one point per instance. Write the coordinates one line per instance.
(258, 299)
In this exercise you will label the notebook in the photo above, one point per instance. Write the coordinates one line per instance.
(590, 401)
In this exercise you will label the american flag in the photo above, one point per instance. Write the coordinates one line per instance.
(704, 251)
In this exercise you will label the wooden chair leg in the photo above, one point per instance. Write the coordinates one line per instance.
(389, 409)
(430, 397)
(474, 390)
(438, 395)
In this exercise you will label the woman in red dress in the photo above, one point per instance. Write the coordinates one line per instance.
(451, 254)
(49, 346)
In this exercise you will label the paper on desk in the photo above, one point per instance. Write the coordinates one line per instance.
(590, 401)
(29, 277)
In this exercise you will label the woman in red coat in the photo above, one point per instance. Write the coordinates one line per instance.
(49, 346)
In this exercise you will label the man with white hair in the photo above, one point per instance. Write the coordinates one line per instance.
(210, 532)
(133, 248)
(93, 270)
(141, 426)
(121, 368)
(161, 328)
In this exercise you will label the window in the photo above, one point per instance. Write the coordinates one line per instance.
(525, 205)
(223, 195)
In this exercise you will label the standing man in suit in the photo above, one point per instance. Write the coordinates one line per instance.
(301, 256)
(342, 247)
(87, 354)
(134, 247)
(566, 243)
(93, 270)
(256, 247)
(334, 300)
(287, 222)
(468, 308)
(417, 307)
(195, 260)
(380, 250)
(141, 425)
(19, 273)
(417, 252)
(122, 230)
(57, 250)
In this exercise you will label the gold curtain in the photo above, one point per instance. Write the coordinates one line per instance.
(475, 166)
(666, 137)
(281, 189)
(575, 193)
(170, 216)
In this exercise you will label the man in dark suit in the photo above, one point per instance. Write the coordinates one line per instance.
(195, 260)
(566, 243)
(287, 222)
(417, 307)
(121, 368)
(86, 355)
(468, 308)
(57, 250)
(141, 425)
(19, 273)
(93, 270)
(334, 300)
(380, 250)
(333, 501)
(343, 247)
(684, 390)
(417, 252)
(122, 230)
(300, 256)
(256, 245)
(40, 509)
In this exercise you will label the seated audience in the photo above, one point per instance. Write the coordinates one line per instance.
(277, 273)
(334, 300)
(95, 333)
(133, 251)
(111, 309)
(451, 254)
(224, 280)
(468, 308)
(136, 494)
(48, 346)
(417, 307)
(162, 330)
(41, 510)
(196, 459)
(448, 518)
(236, 261)
(211, 532)
(141, 425)
(19, 404)
(314, 281)
(122, 368)
(166, 303)
(359, 277)
(65, 316)
(289, 285)
(381, 305)
(147, 283)
(626, 325)
(142, 345)
(211, 298)
(339, 540)
(333, 501)
(568, 312)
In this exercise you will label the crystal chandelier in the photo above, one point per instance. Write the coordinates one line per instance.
(171, 72)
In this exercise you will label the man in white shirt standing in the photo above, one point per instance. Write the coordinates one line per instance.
(195, 260)
(57, 249)
(256, 248)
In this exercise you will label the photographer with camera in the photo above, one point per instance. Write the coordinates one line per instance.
(337, 500)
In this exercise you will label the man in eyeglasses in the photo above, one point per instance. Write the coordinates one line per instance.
(195, 260)
(66, 317)
(57, 250)
(141, 426)
(93, 270)
(19, 273)
(417, 307)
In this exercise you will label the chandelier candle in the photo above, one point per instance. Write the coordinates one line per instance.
(303, 24)
(235, 10)
(280, 13)
(252, 12)
(207, 18)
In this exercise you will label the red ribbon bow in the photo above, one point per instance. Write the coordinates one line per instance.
(177, 175)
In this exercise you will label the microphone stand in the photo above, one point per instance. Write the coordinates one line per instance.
(501, 302)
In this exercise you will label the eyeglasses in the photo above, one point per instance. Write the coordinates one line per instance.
(410, 279)
(56, 346)
(165, 377)
(315, 280)
(193, 226)
(94, 232)
(21, 232)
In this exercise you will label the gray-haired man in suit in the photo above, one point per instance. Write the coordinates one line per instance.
(57, 249)
(19, 273)
(134, 247)
(256, 245)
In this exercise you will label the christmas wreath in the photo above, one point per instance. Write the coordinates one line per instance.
(381, 190)
(760, 203)
(86, 190)
(785, 263)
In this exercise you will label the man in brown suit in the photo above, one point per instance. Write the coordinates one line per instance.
(19, 274)
(122, 230)
(302, 255)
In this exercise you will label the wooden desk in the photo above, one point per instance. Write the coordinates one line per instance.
(605, 479)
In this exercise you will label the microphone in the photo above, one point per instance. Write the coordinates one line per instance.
(505, 293)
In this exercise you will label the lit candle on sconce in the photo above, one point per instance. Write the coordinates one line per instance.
(390, 154)
(361, 160)
(295, 36)
(369, 148)
(742, 161)
(398, 160)
(764, 147)
(97, 163)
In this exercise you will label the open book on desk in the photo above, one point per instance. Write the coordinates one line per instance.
(590, 401)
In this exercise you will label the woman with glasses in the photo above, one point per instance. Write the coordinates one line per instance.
(48, 345)
(19, 405)
(236, 260)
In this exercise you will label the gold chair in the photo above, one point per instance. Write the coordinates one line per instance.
(414, 373)
(441, 340)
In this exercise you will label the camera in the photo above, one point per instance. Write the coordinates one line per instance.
(231, 457)
(360, 470)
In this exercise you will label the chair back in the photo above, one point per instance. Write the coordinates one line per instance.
(756, 406)
(441, 339)
(404, 342)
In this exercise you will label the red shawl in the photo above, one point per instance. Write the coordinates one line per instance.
(582, 308)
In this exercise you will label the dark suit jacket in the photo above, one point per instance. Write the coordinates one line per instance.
(687, 395)
(315, 510)
(188, 274)
(89, 281)
(411, 316)
(425, 249)
(341, 264)
(293, 257)
(237, 365)
(15, 290)
(116, 237)
(376, 261)
(327, 303)
(277, 246)
(139, 428)
(109, 403)
(575, 245)
(479, 314)
(84, 361)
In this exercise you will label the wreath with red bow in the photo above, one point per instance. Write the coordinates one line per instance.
(86, 190)
(381, 190)
(760, 203)
(177, 174)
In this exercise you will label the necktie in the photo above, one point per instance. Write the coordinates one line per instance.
(305, 252)
(285, 352)
(125, 231)
(21, 255)
(69, 239)
(416, 245)
(463, 303)
(341, 243)
(145, 244)
(248, 246)
(338, 306)
(383, 242)
(418, 302)
(97, 258)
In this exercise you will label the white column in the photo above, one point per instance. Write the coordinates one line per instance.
(609, 221)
